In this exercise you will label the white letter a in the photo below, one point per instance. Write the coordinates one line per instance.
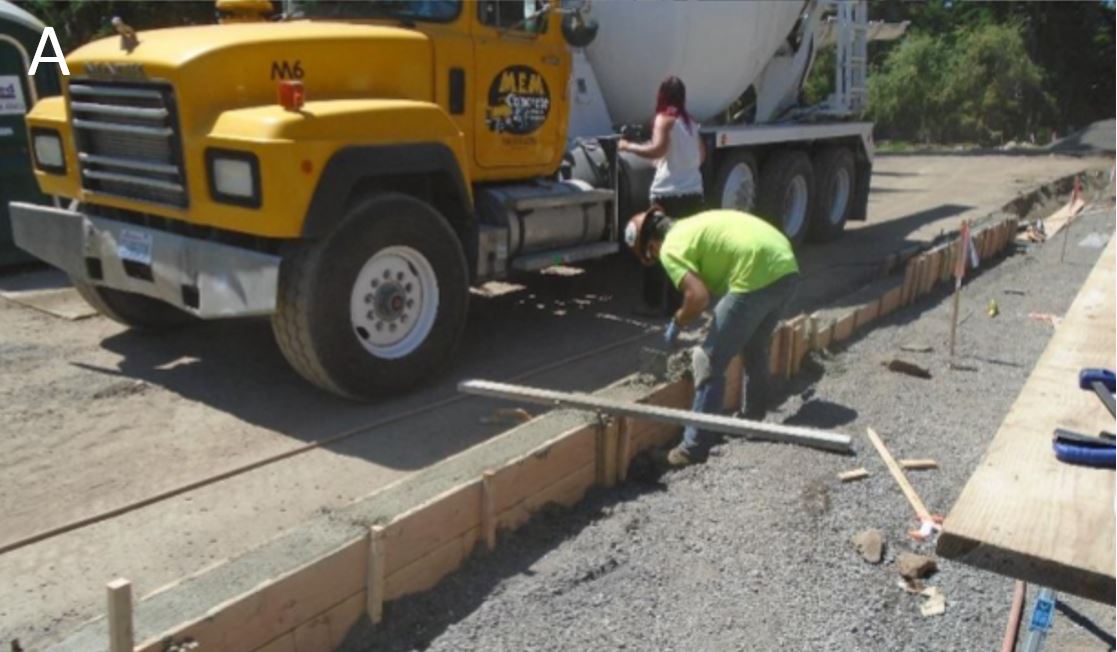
(49, 35)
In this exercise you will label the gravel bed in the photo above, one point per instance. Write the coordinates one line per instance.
(751, 551)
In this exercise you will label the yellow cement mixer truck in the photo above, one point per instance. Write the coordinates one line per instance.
(351, 168)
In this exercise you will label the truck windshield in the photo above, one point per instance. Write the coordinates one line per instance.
(441, 11)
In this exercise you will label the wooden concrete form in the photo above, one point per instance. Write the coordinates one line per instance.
(119, 594)
(1025, 514)
(800, 343)
(843, 327)
(312, 607)
(866, 314)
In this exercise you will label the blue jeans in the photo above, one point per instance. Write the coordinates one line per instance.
(743, 322)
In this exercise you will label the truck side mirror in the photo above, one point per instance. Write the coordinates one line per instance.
(577, 31)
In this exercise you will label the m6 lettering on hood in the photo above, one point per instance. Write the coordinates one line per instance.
(287, 69)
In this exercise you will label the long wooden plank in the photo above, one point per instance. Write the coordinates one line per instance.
(1023, 513)
(898, 474)
(716, 423)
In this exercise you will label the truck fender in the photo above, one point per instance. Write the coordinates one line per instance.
(349, 167)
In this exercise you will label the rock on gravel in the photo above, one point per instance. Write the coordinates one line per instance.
(870, 545)
(915, 567)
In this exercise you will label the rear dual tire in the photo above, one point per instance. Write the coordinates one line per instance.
(807, 198)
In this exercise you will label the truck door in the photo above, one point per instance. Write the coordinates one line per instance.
(520, 73)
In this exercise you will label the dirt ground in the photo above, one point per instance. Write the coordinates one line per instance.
(751, 551)
(96, 416)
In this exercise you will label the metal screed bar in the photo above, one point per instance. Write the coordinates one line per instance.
(717, 423)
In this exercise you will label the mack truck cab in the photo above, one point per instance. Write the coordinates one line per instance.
(350, 169)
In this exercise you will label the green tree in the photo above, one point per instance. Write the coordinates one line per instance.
(908, 94)
(994, 87)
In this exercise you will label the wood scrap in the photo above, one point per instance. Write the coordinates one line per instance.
(898, 474)
(917, 347)
(918, 464)
(899, 365)
(852, 475)
(935, 604)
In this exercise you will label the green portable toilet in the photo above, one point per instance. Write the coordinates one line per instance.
(19, 37)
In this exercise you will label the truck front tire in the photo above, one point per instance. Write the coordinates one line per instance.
(131, 309)
(786, 189)
(377, 306)
(835, 177)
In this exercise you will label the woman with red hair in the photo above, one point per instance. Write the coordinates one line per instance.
(678, 151)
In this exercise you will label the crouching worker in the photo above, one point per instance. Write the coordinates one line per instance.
(750, 265)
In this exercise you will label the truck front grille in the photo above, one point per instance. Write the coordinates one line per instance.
(128, 141)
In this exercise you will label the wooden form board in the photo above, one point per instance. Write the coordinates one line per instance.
(1023, 513)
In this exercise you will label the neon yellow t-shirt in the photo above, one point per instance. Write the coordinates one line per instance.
(729, 250)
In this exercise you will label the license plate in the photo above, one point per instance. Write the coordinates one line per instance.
(134, 246)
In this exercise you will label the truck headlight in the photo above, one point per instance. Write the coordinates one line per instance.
(234, 177)
(47, 146)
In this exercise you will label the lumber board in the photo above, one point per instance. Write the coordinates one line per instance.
(265, 613)
(624, 448)
(377, 571)
(866, 314)
(822, 332)
(712, 422)
(119, 594)
(565, 491)
(843, 327)
(419, 531)
(326, 631)
(285, 643)
(908, 291)
(800, 343)
(775, 367)
(898, 475)
(1023, 513)
(488, 511)
(544, 466)
(645, 434)
(423, 573)
(918, 464)
(853, 474)
(890, 301)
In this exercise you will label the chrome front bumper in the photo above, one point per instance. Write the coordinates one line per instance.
(207, 279)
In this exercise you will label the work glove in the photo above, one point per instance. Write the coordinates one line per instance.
(671, 334)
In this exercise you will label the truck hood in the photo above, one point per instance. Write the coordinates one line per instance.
(216, 67)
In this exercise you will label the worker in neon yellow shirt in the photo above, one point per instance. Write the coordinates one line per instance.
(746, 262)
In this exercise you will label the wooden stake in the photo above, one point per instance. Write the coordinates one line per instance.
(963, 255)
(374, 591)
(488, 510)
(605, 462)
(121, 637)
(624, 448)
(898, 475)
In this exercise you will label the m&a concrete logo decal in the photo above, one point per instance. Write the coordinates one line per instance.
(519, 101)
